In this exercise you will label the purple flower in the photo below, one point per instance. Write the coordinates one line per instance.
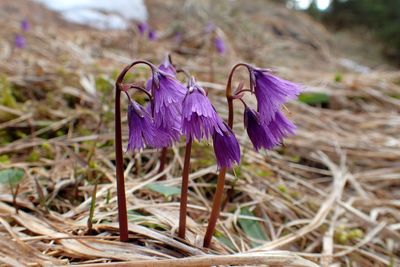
(280, 127)
(199, 118)
(24, 25)
(19, 41)
(142, 27)
(219, 45)
(259, 135)
(271, 93)
(152, 35)
(209, 28)
(167, 67)
(168, 94)
(142, 130)
(226, 148)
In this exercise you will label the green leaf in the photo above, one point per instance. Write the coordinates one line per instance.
(313, 98)
(164, 189)
(252, 228)
(11, 176)
(224, 240)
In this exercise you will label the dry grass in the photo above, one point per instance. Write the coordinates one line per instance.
(328, 197)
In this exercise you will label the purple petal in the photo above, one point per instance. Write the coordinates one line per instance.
(199, 118)
(24, 25)
(272, 92)
(142, 130)
(219, 45)
(19, 41)
(152, 35)
(226, 148)
(259, 135)
(281, 127)
(142, 27)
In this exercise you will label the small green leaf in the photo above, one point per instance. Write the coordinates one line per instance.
(224, 240)
(313, 98)
(252, 227)
(164, 189)
(11, 176)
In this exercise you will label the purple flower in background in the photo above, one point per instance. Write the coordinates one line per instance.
(209, 28)
(152, 35)
(19, 41)
(219, 45)
(142, 130)
(259, 135)
(168, 94)
(142, 27)
(24, 25)
(199, 118)
(167, 67)
(226, 148)
(271, 93)
(280, 127)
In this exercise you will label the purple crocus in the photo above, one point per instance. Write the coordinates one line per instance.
(24, 25)
(199, 118)
(168, 94)
(259, 135)
(219, 45)
(271, 93)
(142, 130)
(142, 27)
(152, 35)
(19, 41)
(226, 148)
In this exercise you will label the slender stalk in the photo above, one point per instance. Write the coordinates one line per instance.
(119, 164)
(122, 213)
(163, 159)
(219, 193)
(184, 190)
(216, 207)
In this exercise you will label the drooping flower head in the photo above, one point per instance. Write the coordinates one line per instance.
(168, 94)
(219, 45)
(226, 148)
(199, 118)
(258, 133)
(142, 27)
(272, 92)
(19, 41)
(142, 130)
(24, 25)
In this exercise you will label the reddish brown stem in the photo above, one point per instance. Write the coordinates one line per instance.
(219, 193)
(184, 191)
(163, 159)
(122, 213)
(119, 160)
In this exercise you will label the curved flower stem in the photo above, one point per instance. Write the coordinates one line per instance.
(219, 193)
(119, 160)
(119, 166)
(184, 191)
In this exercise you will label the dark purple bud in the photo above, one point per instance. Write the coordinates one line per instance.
(219, 45)
(142, 27)
(226, 148)
(19, 41)
(152, 35)
(25, 25)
